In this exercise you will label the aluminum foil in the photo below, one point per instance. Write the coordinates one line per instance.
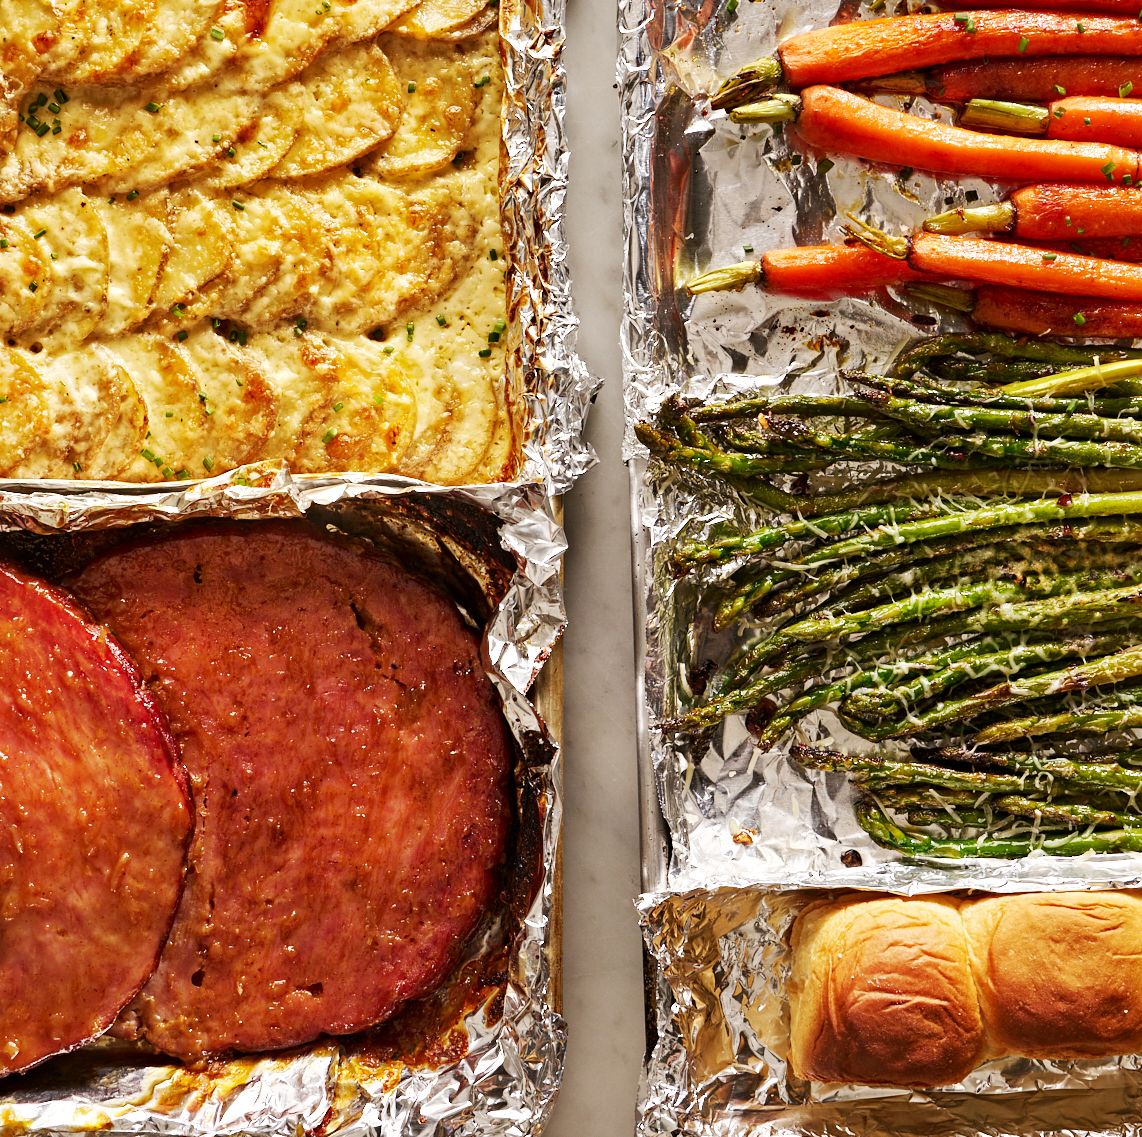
(725, 825)
(701, 191)
(485, 1052)
(557, 387)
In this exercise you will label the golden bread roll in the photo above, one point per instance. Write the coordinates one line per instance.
(1059, 973)
(882, 993)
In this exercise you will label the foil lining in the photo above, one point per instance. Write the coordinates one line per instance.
(557, 387)
(701, 191)
(724, 825)
(485, 1053)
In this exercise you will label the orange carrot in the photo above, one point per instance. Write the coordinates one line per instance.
(824, 272)
(840, 121)
(1124, 7)
(811, 272)
(1021, 266)
(845, 53)
(1052, 212)
(1111, 248)
(1032, 80)
(1046, 314)
(1086, 118)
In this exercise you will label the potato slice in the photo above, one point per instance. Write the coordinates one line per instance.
(440, 104)
(24, 414)
(296, 32)
(176, 30)
(432, 19)
(202, 235)
(101, 133)
(108, 34)
(184, 133)
(304, 262)
(240, 405)
(258, 224)
(139, 245)
(177, 425)
(261, 144)
(71, 235)
(342, 407)
(96, 416)
(351, 105)
(210, 54)
(420, 247)
(25, 278)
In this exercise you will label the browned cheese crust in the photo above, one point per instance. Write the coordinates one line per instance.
(1059, 974)
(882, 993)
(94, 820)
(351, 770)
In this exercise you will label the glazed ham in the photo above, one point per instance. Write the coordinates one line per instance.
(351, 771)
(94, 822)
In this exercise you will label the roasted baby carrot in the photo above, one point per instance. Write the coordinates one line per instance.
(811, 272)
(1016, 266)
(1051, 213)
(862, 49)
(840, 121)
(1030, 80)
(1082, 118)
(1047, 314)
(1122, 7)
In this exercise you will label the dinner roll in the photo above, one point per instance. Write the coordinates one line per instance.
(1059, 973)
(882, 993)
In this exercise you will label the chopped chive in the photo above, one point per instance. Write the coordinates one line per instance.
(1108, 169)
(54, 108)
(825, 165)
(42, 129)
(483, 81)
(1125, 89)
(409, 329)
(148, 454)
(238, 206)
(1060, 111)
(731, 6)
(493, 255)
(208, 464)
(389, 349)
(61, 96)
(1024, 44)
(177, 309)
(1086, 120)
(39, 234)
(905, 173)
(217, 34)
(33, 286)
(747, 249)
(77, 467)
(181, 335)
(1050, 256)
(485, 352)
(337, 406)
(132, 195)
(3, 242)
(216, 138)
(231, 152)
(1079, 319)
(153, 108)
(1080, 27)
(442, 321)
(328, 436)
(1060, 89)
(411, 87)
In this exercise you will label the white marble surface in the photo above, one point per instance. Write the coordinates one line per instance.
(602, 954)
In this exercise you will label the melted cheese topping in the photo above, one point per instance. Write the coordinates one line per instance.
(224, 247)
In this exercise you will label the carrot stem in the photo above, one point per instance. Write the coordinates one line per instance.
(999, 217)
(1007, 118)
(778, 108)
